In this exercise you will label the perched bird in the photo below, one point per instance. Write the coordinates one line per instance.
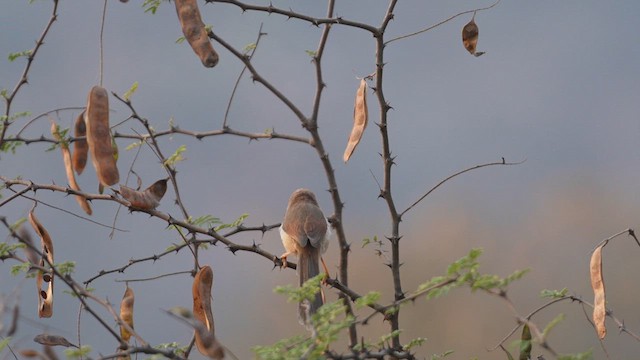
(305, 232)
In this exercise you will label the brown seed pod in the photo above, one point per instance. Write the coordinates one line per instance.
(126, 313)
(599, 301)
(99, 136)
(80, 147)
(30, 353)
(205, 330)
(470, 34)
(194, 31)
(66, 156)
(360, 120)
(45, 298)
(148, 199)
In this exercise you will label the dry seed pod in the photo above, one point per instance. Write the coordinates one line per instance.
(194, 31)
(599, 302)
(99, 136)
(45, 298)
(53, 340)
(30, 353)
(205, 330)
(360, 119)
(470, 37)
(80, 147)
(126, 313)
(66, 157)
(148, 199)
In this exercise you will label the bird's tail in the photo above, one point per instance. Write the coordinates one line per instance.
(308, 267)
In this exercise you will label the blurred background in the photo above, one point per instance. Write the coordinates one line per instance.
(558, 87)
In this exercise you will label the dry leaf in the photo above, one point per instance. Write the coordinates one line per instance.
(148, 199)
(45, 298)
(126, 313)
(53, 340)
(99, 136)
(205, 330)
(597, 283)
(80, 147)
(66, 156)
(194, 31)
(360, 119)
(30, 353)
(470, 37)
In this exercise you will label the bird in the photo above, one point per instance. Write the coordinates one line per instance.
(305, 232)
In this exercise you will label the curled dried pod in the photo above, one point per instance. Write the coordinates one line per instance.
(204, 326)
(68, 166)
(470, 34)
(360, 120)
(80, 146)
(194, 31)
(126, 313)
(99, 136)
(53, 340)
(148, 199)
(45, 297)
(599, 301)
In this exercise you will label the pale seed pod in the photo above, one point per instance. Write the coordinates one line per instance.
(126, 313)
(194, 31)
(99, 136)
(80, 147)
(599, 301)
(204, 329)
(66, 157)
(360, 120)
(45, 298)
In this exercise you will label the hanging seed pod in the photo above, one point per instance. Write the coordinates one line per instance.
(126, 313)
(599, 301)
(360, 119)
(66, 157)
(80, 147)
(205, 330)
(470, 37)
(194, 31)
(45, 297)
(99, 136)
(148, 199)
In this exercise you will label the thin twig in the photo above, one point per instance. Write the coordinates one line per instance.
(154, 277)
(442, 22)
(503, 162)
(244, 68)
(104, 15)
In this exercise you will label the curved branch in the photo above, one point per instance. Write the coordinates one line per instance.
(441, 23)
(503, 162)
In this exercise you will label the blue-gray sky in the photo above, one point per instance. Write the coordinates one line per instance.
(558, 87)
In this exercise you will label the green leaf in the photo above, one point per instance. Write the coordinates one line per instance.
(386, 338)
(15, 55)
(311, 53)
(4, 342)
(414, 343)
(443, 355)
(78, 353)
(66, 268)
(368, 299)
(134, 145)
(132, 89)
(249, 47)
(176, 157)
(587, 355)
(525, 343)
(551, 325)
(554, 294)
(237, 222)
(20, 268)
(6, 250)
(151, 6)
(180, 40)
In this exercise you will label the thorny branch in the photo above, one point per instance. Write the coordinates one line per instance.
(8, 99)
